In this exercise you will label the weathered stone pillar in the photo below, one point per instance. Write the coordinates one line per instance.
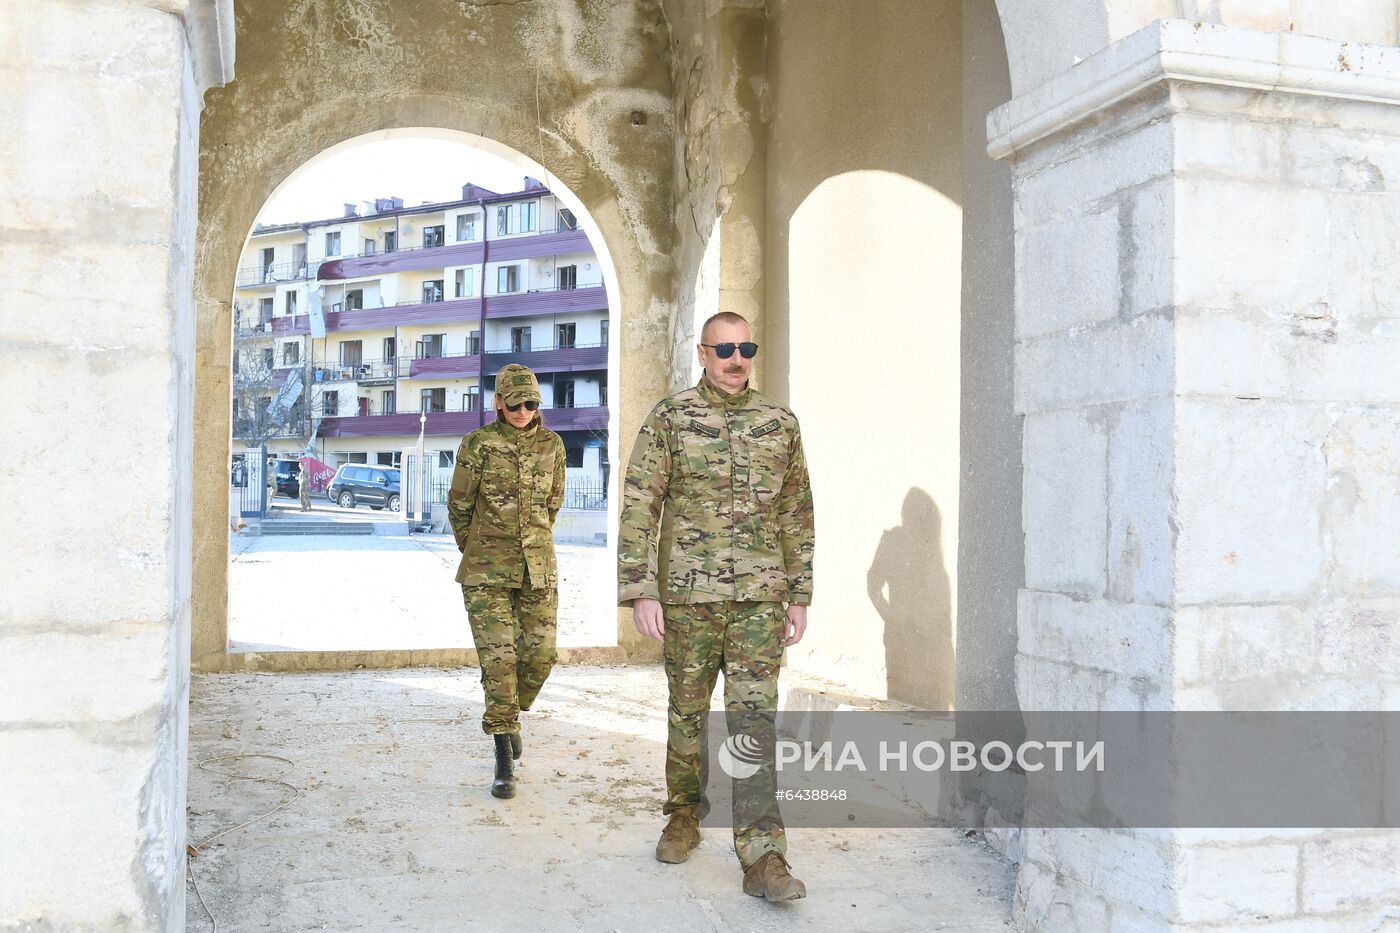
(1208, 331)
(720, 52)
(101, 114)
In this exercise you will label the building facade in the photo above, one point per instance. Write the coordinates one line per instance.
(355, 332)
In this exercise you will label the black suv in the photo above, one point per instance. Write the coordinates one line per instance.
(286, 473)
(376, 486)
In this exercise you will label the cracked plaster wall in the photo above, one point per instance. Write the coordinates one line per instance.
(718, 55)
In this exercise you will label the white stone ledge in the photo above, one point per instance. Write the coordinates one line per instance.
(1201, 53)
(208, 26)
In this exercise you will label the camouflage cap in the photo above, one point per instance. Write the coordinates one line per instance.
(516, 383)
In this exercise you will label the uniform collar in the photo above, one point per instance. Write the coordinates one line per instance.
(719, 399)
(519, 435)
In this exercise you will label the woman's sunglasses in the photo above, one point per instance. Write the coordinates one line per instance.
(725, 350)
(529, 406)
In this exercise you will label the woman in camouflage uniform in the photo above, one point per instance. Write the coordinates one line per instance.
(507, 488)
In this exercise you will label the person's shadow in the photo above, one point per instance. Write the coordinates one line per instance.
(909, 588)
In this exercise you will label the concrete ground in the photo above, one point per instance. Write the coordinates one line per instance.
(354, 593)
(394, 828)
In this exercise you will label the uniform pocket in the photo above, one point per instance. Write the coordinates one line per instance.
(768, 462)
(542, 478)
(498, 496)
(702, 453)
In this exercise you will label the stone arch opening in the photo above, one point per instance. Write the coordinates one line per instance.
(539, 85)
(338, 418)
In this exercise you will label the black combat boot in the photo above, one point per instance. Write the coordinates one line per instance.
(516, 746)
(504, 784)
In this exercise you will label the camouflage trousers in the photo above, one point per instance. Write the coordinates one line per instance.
(514, 634)
(305, 494)
(743, 639)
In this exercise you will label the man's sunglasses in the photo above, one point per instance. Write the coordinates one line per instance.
(531, 405)
(725, 350)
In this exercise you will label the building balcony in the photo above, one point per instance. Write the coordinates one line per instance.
(365, 372)
(280, 374)
(454, 254)
(578, 358)
(539, 303)
(273, 274)
(244, 429)
(455, 423)
(581, 418)
(253, 330)
(384, 318)
(442, 367)
(547, 301)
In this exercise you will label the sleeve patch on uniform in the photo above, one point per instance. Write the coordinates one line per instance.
(763, 429)
(705, 429)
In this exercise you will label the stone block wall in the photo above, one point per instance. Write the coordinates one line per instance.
(102, 109)
(1206, 337)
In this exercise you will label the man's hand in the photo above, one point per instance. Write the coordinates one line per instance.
(646, 616)
(794, 625)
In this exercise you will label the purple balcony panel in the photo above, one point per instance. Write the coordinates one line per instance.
(458, 309)
(549, 302)
(454, 254)
(456, 423)
(576, 359)
(444, 366)
(436, 312)
(405, 423)
(291, 326)
(576, 419)
(544, 244)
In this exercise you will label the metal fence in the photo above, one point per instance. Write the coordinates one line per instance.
(578, 494)
(249, 474)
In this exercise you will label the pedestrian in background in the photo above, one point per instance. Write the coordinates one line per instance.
(304, 486)
(507, 488)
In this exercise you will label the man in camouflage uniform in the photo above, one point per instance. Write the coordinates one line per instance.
(716, 536)
(304, 485)
(507, 488)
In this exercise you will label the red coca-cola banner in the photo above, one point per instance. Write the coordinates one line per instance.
(321, 473)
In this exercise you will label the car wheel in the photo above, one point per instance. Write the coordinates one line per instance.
(394, 503)
(346, 500)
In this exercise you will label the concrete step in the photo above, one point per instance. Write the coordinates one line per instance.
(317, 528)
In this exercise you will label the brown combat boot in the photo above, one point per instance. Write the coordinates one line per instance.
(769, 878)
(682, 833)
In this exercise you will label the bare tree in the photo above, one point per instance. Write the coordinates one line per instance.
(269, 401)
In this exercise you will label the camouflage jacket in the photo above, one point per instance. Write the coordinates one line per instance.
(507, 487)
(717, 504)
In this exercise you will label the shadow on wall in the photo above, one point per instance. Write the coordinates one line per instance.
(910, 589)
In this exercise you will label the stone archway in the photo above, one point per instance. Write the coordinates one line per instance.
(596, 119)
(111, 184)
